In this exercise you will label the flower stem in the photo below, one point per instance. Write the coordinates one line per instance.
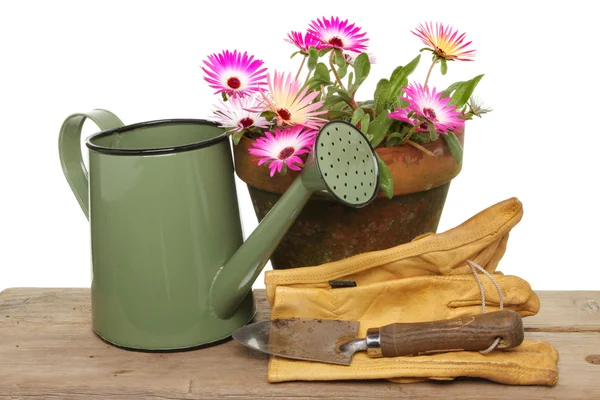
(337, 77)
(418, 146)
(435, 60)
(409, 134)
(301, 66)
(307, 78)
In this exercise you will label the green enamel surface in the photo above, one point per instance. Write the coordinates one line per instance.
(170, 270)
(161, 228)
(154, 136)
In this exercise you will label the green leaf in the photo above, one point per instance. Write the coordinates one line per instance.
(451, 88)
(357, 116)
(284, 170)
(454, 146)
(382, 94)
(338, 114)
(443, 66)
(269, 115)
(399, 77)
(294, 53)
(339, 59)
(464, 91)
(364, 123)
(224, 96)
(362, 67)
(350, 78)
(341, 106)
(322, 73)
(400, 103)
(313, 58)
(342, 71)
(332, 100)
(432, 133)
(378, 128)
(322, 52)
(236, 137)
(342, 93)
(386, 183)
(314, 84)
(394, 139)
(396, 72)
(367, 104)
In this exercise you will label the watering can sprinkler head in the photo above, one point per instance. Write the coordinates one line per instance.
(342, 163)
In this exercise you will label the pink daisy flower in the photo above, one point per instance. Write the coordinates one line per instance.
(444, 41)
(234, 116)
(284, 147)
(336, 34)
(402, 115)
(303, 43)
(292, 106)
(429, 105)
(234, 73)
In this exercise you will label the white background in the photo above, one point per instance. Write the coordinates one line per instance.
(141, 60)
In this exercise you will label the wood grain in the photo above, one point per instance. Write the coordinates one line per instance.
(47, 350)
(573, 311)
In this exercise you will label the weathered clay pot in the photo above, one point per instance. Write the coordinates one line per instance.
(328, 231)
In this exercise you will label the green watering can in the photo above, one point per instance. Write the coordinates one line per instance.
(170, 268)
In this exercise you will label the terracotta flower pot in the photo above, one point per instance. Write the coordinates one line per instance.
(328, 231)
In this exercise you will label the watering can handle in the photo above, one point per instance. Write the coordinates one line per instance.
(69, 150)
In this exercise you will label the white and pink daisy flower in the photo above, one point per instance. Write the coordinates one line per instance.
(234, 73)
(431, 107)
(350, 57)
(445, 42)
(234, 116)
(283, 148)
(336, 34)
(303, 43)
(290, 105)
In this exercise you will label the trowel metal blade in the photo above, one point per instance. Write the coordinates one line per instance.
(300, 338)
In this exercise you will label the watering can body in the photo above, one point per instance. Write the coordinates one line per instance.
(170, 268)
(164, 219)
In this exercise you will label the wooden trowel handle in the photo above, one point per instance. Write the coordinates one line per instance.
(472, 333)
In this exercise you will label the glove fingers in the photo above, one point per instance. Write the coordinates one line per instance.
(416, 299)
(437, 254)
(517, 294)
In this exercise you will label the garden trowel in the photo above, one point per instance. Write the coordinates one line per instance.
(334, 341)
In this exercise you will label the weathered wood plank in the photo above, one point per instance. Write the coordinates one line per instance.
(572, 311)
(47, 350)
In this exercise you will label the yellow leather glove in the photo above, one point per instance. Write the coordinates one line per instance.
(425, 280)
(532, 363)
(481, 239)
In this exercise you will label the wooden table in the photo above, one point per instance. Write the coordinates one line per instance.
(48, 350)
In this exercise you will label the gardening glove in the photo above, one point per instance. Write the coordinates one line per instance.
(420, 281)
(532, 363)
(481, 239)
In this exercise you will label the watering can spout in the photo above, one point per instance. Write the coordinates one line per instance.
(342, 163)
(234, 280)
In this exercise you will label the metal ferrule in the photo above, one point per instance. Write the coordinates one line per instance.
(373, 343)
